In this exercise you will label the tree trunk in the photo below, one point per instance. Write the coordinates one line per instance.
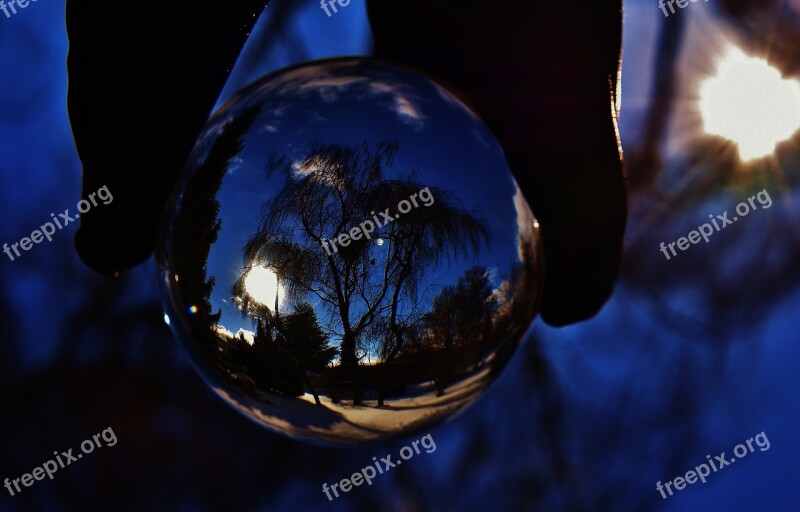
(350, 364)
(348, 350)
(312, 389)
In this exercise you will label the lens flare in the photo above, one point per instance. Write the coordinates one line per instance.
(749, 103)
(261, 284)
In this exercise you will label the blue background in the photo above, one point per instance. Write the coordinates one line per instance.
(585, 418)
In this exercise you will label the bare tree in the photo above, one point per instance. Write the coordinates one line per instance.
(332, 190)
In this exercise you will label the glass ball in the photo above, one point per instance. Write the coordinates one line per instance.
(347, 257)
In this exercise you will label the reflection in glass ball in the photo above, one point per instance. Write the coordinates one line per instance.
(347, 257)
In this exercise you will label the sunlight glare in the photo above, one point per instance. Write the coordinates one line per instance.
(749, 103)
(261, 283)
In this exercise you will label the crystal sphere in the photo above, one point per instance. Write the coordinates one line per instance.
(347, 257)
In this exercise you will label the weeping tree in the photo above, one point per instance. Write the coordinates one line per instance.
(372, 280)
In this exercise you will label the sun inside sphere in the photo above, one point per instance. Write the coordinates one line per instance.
(261, 283)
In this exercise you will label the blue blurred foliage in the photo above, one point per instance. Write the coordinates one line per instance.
(585, 418)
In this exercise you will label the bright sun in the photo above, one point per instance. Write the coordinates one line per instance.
(261, 284)
(749, 103)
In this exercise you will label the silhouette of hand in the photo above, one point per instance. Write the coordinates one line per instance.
(140, 91)
(542, 77)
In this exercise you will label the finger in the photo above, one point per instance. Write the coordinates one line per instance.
(543, 79)
(140, 90)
